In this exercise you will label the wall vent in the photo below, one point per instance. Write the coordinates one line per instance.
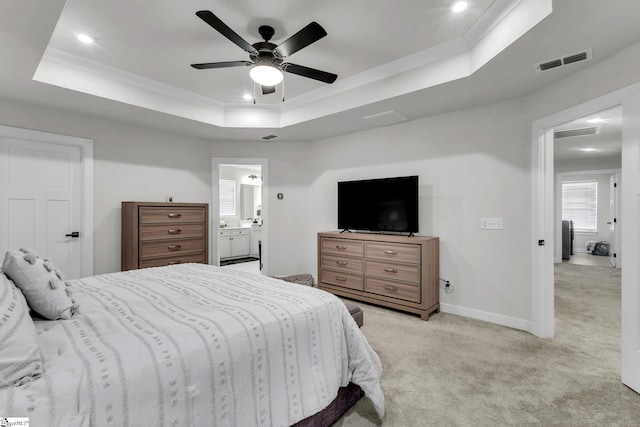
(387, 118)
(594, 130)
(268, 137)
(565, 60)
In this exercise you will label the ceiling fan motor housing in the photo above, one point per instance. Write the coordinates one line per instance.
(266, 54)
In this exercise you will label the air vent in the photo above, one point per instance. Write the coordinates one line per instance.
(268, 137)
(387, 118)
(576, 132)
(549, 65)
(575, 58)
(566, 60)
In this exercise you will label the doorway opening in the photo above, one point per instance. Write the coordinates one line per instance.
(587, 166)
(239, 218)
(542, 214)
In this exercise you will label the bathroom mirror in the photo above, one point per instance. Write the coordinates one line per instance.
(250, 198)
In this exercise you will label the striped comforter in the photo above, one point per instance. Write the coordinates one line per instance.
(194, 345)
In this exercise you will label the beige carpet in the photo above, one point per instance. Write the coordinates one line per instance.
(453, 371)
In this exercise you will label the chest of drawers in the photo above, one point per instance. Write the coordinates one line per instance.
(393, 271)
(157, 234)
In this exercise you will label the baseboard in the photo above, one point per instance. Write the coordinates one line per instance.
(498, 319)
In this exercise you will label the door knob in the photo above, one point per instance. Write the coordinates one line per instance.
(73, 234)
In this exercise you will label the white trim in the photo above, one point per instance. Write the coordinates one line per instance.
(214, 214)
(86, 170)
(498, 319)
(542, 289)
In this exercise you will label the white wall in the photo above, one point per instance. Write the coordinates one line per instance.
(468, 169)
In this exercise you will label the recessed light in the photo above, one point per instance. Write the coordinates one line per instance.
(588, 150)
(459, 6)
(595, 120)
(247, 97)
(84, 38)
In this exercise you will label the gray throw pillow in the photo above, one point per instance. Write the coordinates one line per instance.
(41, 283)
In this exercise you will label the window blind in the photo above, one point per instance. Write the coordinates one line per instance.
(580, 204)
(227, 197)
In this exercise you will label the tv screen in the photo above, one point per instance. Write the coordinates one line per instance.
(386, 205)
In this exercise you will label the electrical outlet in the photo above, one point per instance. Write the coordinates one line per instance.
(491, 224)
(168, 198)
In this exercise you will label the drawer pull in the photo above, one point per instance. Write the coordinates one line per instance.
(341, 262)
(341, 247)
(390, 252)
(174, 215)
(390, 270)
(341, 279)
(175, 231)
(174, 247)
(391, 288)
(174, 262)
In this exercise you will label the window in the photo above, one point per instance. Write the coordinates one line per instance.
(227, 197)
(580, 204)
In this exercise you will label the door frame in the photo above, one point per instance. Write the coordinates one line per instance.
(542, 199)
(214, 212)
(86, 181)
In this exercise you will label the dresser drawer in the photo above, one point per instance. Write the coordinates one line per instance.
(346, 280)
(336, 262)
(393, 289)
(150, 215)
(161, 262)
(391, 251)
(150, 249)
(155, 232)
(407, 273)
(342, 247)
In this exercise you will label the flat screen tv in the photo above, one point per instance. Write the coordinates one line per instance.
(381, 205)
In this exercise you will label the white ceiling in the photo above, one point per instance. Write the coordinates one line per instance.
(414, 57)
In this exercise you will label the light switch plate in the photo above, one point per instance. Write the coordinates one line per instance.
(491, 224)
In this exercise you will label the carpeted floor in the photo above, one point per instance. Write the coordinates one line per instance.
(453, 371)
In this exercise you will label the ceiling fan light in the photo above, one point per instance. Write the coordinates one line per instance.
(266, 75)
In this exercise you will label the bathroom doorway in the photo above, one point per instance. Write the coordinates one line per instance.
(239, 216)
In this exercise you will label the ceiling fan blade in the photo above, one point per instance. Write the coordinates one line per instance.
(266, 90)
(217, 24)
(303, 38)
(227, 64)
(311, 73)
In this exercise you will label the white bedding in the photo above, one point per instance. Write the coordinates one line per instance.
(194, 345)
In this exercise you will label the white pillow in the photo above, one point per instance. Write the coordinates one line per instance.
(20, 359)
(41, 283)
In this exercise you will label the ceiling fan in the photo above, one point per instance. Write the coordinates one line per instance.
(267, 59)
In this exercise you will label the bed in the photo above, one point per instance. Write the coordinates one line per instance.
(195, 345)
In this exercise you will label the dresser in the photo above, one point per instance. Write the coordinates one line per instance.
(389, 270)
(158, 234)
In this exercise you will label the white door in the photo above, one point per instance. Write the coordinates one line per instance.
(41, 201)
(631, 214)
(613, 219)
